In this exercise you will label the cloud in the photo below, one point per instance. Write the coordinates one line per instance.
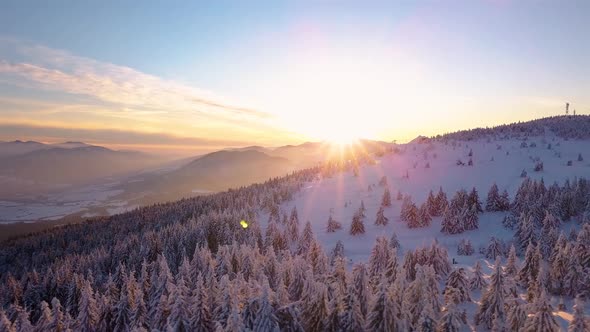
(45, 68)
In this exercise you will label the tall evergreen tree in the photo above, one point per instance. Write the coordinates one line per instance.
(352, 318)
(357, 226)
(473, 199)
(493, 199)
(87, 309)
(333, 225)
(580, 322)
(451, 320)
(458, 280)
(381, 219)
(542, 320)
(265, 317)
(516, 317)
(386, 200)
(200, 319)
(492, 301)
(530, 267)
(424, 218)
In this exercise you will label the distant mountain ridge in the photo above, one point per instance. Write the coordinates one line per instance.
(36, 167)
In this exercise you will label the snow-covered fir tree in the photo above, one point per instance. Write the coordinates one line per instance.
(386, 200)
(458, 280)
(580, 321)
(530, 266)
(542, 319)
(424, 218)
(333, 225)
(494, 249)
(352, 319)
(492, 300)
(381, 219)
(357, 226)
(473, 199)
(465, 248)
(477, 280)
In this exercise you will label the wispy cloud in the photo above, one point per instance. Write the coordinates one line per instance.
(115, 96)
(58, 70)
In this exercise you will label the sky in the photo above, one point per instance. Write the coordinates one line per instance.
(192, 76)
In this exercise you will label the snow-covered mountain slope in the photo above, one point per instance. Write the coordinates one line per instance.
(342, 194)
(501, 162)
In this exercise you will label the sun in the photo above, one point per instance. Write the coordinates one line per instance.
(341, 138)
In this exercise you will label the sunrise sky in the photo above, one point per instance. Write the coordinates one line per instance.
(194, 76)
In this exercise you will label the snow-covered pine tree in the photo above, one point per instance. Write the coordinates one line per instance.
(458, 280)
(451, 320)
(470, 218)
(59, 320)
(542, 320)
(516, 316)
(294, 215)
(179, 319)
(361, 283)
(504, 201)
(580, 322)
(332, 321)
(5, 323)
(473, 199)
(525, 234)
(357, 226)
(305, 240)
(442, 201)
(87, 309)
(337, 252)
(265, 316)
(477, 281)
(530, 267)
(43, 321)
(235, 321)
(548, 237)
(427, 320)
(333, 225)
(394, 242)
(465, 248)
(384, 312)
(492, 199)
(511, 268)
(378, 260)
(492, 300)
(352, 318)
(424, 218)
(386, 200)
(380, 218)
(451, 223)
(495, 248)
(200, 314)
(432, 204)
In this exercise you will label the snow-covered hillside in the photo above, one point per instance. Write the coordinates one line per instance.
(502, 244)
(415, 169)
(341, 195)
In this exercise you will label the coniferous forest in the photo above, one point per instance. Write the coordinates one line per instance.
(193, 265)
